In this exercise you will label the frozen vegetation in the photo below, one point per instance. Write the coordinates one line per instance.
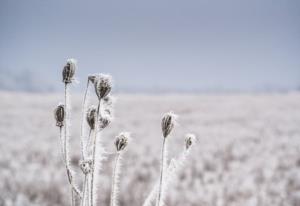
(247, 152)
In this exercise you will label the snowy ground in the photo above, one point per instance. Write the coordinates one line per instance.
(248, 151)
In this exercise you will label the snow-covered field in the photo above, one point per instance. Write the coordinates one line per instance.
(248, 150)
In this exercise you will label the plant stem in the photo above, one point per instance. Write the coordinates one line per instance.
(83, 152)
(84, 191)
(66, 144)
(94, 152)
(114, 190)
(161, 180)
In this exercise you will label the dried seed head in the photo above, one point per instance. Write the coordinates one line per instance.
(86, 166)
(122, 140)
(69, 71)
(167, 123)
(91, 117)
(189, 140)
(59, 114)
(102, 85)
(104, 121)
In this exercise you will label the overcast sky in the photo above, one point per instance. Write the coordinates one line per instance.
(157, 45)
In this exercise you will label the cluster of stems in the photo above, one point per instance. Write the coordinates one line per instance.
(93, 120)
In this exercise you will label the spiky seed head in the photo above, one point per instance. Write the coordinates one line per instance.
(91, 117)
(104, 121)
(122, 140)
(189, 140)
(69, 71)
(59, 114)
(86, 166)
(167, 123)
(103, 85)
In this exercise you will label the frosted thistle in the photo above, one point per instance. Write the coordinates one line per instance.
(86, 166)
(59, 114)
(122, 141)
(91, 117)
(104, 121)
(69, 71)
(167, 123)
(102, 85)
(189, 140)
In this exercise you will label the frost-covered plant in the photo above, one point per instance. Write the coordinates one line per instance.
(120, 143)
(94, 120)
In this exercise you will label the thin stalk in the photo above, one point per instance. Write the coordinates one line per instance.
(173, 168)
(94, 152)
(84, 191)
(162, 167)
(84, 104)
(66, 145)
(88, 140)
(62, 143)
(115, 178)
(85, 183)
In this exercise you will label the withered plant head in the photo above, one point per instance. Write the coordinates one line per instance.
(59, 114)
(122, 140)
(91, 116)
(103, 85)
(69, 71)
(86, 166)
(104, 121)
(189, 140)
(167, 123)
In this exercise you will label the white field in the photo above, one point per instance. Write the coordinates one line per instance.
(248, 150)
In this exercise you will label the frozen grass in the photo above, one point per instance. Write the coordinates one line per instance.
(247, 151)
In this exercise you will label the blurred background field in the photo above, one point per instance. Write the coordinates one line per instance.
(247, 151)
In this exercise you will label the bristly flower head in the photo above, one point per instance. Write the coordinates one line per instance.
(86, 166)
(91, 116)
(167, 123)
(122, 140)
(59, 114)
(189, 140)
(104, 121)
(69, 71)
(103, 85)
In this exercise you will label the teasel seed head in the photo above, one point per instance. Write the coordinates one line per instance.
(69, 71)
(189, 140)
(103, 85)
(86, 166)
(121, 141)
(91, 116)
(59, 114)
(104, 121)
(167, 123)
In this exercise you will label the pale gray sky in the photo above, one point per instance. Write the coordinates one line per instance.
(157, 45)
